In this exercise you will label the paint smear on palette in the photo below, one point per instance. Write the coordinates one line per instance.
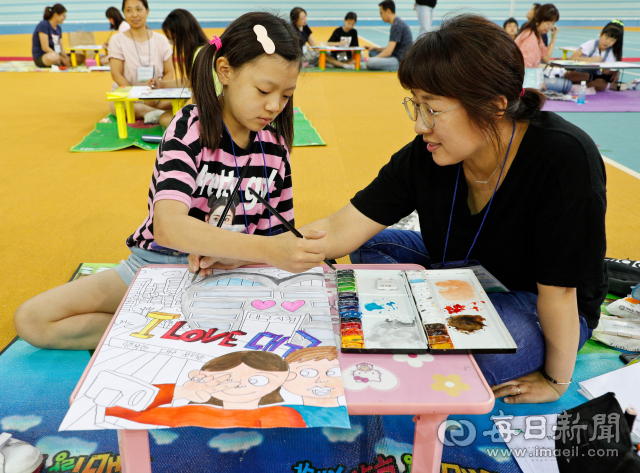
(455, 290)
(467, 323)
(457, 308)
(381, 305)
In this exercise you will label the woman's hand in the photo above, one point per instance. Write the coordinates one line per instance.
(66, 62)
(554, 31)
(534, 389)
(105, 45)
(293, 254)
(154, 83)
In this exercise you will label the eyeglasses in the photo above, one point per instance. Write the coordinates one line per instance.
(428, 115)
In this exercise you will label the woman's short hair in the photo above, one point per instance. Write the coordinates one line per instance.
(473, 60)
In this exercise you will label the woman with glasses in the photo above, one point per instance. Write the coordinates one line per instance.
(495, 180)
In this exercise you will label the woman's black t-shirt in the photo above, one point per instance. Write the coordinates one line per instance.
(546, 223)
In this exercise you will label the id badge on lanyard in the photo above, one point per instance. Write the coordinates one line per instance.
(56, 43)
(146, 73)
(487, 280)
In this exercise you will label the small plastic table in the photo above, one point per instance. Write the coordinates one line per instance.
(322, 61)
(84, 48)
(429, 387)
(566, 50)
(124, 106)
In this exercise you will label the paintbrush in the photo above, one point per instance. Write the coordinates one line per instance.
(228, 206)
(290, 227)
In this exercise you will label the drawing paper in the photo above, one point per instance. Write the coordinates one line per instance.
(251, 347)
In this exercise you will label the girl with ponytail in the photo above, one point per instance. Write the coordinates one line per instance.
(46, 43)
(203, 152)
(495, 180)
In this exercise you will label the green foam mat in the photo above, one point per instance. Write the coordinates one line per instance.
(304, 133)
(104, 136)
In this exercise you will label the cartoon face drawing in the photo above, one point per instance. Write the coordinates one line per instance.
(315, 376)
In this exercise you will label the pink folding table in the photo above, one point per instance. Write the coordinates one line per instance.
(429, 387)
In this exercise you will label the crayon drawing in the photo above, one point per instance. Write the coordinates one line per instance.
(243, 348)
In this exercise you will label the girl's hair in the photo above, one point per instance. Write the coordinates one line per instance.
(294, 15)
(615, 29)
(546, 12)
(57, 8)
(144, 2)
(187, 36)
(114, 14)
(241, 46)
(510, 20)
(476, 62)
(258, 360)
(351, 16)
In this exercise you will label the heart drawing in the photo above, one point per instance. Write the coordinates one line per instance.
(263, 305)
(292, 306)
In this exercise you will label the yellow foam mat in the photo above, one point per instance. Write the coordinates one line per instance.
(59, 208)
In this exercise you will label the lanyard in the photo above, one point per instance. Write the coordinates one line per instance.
(488, 207)
(136, 46)
(264, 163)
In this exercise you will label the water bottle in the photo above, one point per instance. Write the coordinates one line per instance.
(582, 93)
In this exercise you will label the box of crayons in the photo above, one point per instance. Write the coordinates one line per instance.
(437, 311)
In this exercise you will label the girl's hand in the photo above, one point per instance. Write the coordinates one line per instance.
(534, 389)
(208, 263)
(202, 385)
(105, 45)
(66, 62)
(296, 255)
(153, 83)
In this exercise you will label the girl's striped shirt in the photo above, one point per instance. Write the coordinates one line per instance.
(188, 173)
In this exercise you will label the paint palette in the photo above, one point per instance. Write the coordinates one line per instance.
(443, 311)
(378, 318)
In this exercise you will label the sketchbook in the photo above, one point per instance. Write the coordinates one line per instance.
(418, 311)
(251, 347)
(169, 93)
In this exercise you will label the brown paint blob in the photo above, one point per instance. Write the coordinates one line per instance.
(466, 323)
(456, 290)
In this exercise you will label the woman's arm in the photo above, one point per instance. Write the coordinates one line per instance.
(117, 69)
(558, 315)
(311, 41)
(347, 229)
(169, 71)
(44, 43)
(552, 45)
(66, 61)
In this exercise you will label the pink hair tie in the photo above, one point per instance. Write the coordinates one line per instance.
(522, 93)
(215, 40)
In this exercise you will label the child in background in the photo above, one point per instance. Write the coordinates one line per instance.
(202, 153)
(511, 27)
(186, 35)
(346, 30)
(117, 23)
(606, 49)
(139, 55)
(46, 43)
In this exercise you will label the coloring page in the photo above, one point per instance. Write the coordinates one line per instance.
(250, 347)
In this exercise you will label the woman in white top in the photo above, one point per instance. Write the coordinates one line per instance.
(606, 49)
(139, 55)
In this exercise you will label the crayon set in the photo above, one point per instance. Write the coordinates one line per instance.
(349, 310)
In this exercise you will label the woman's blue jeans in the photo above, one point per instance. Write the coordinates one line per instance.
(518, 309)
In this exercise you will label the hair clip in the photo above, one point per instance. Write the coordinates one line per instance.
(215, 40)
(263, 38)
(618, 22)
(522, 93)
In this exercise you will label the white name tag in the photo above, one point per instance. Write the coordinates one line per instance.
(146, 73)
(56, 48)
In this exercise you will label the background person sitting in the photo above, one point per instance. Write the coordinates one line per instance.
(46, 43)
(606, 49)
(400, 40)
(511, 27)
(346, 30)
(117, 23)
